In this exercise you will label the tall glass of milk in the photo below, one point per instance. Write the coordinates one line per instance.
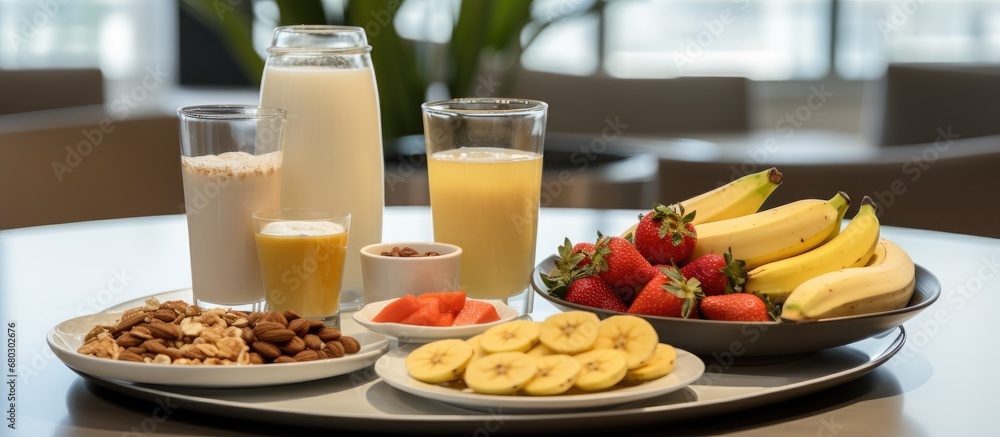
(323, 77)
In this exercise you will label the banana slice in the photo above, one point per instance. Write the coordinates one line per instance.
(571, 332)
(477, 348)
(540, 350)
(500, 373)
(661, 364)
(513, 336)
(600, 369)
(439, 361)
(556, 374)
(633, 335)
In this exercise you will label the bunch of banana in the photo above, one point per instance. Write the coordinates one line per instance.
(571, 349)
(774, 234)
(885, 283)
(851, 247)
(738, 198)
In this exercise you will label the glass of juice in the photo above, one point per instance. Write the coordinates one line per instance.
(302, 254)
(231, 166)
(484, 160)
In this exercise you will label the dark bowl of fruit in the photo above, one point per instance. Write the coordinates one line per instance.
(750, 342)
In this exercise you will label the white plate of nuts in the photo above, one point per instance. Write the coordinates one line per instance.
(174, 343)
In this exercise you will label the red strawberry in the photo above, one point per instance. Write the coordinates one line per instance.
(594, 292)
(665, 235)
(668, 294)
(717, 274)
(735, 307)
(587, 249)
(621, 266)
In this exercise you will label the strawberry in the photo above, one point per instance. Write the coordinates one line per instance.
(735, 307)
(569, 266)
(619, 264)
(594, 292)
(665, 235)
(587, 249)
(717, 274)
(668, 294)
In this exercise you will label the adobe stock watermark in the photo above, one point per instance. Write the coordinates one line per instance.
(900, 14)
(914, 168)
(924, 328)
(784, 128)
(30, 26)
(121, 107)
(162, 411)
(710, 32)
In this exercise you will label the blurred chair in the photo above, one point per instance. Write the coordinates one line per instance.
(77, 171)
(920, 99)
(35, 90)
(931, 186)
(649, 107)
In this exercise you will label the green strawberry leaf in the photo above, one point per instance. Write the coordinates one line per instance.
(773, 310)
(687, 289)
(735, 272)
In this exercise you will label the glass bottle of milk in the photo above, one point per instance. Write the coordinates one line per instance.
(323, 77)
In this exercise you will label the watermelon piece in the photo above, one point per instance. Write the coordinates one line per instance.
(475, 312)
(398, 310)
(450, 301)
(429, 314)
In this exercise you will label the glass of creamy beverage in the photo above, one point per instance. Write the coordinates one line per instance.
(302, 253)
(484, 159)
(231, 167)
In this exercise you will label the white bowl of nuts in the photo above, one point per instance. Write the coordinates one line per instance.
(391, 270)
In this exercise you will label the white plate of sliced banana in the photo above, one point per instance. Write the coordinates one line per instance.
(569, 361)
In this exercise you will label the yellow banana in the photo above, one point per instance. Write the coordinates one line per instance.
(774, 234)
(853, 246)
(738, 198)
(885, 283)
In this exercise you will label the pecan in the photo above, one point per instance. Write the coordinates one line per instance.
(293, 346)
(164, 330)
(173, 353)
(351, 345)
(141, 332)
(313, 342)
(93, 333)
(272, 332)
(125, 355)
(334, 349)
(328, 333)
(156, 346)
(127, 323)
(285, 359)
(299, 326)
(266, 349)
(127, 340)
(306, 355)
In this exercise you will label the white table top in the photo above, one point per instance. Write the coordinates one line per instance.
(937, 385)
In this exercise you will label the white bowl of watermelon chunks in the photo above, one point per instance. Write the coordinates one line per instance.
(433, 316)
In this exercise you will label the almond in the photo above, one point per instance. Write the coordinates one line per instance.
(291, 315)
(299, 326)
(313, 342)
(315, 325)
(329, 333)
(254, 317)
(306, 355)
(130, 356)
(293, 346)
(272, 332)
(155, 346)
(164, 330)
(351, 345)
(274, 316)
(141, 332)
(127, 340)
(334, 348)
(127, 323)
(285, 359)
(266, 349)
(165, 314)
(256, 358)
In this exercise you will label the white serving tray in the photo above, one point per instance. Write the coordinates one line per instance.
(362, 401)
